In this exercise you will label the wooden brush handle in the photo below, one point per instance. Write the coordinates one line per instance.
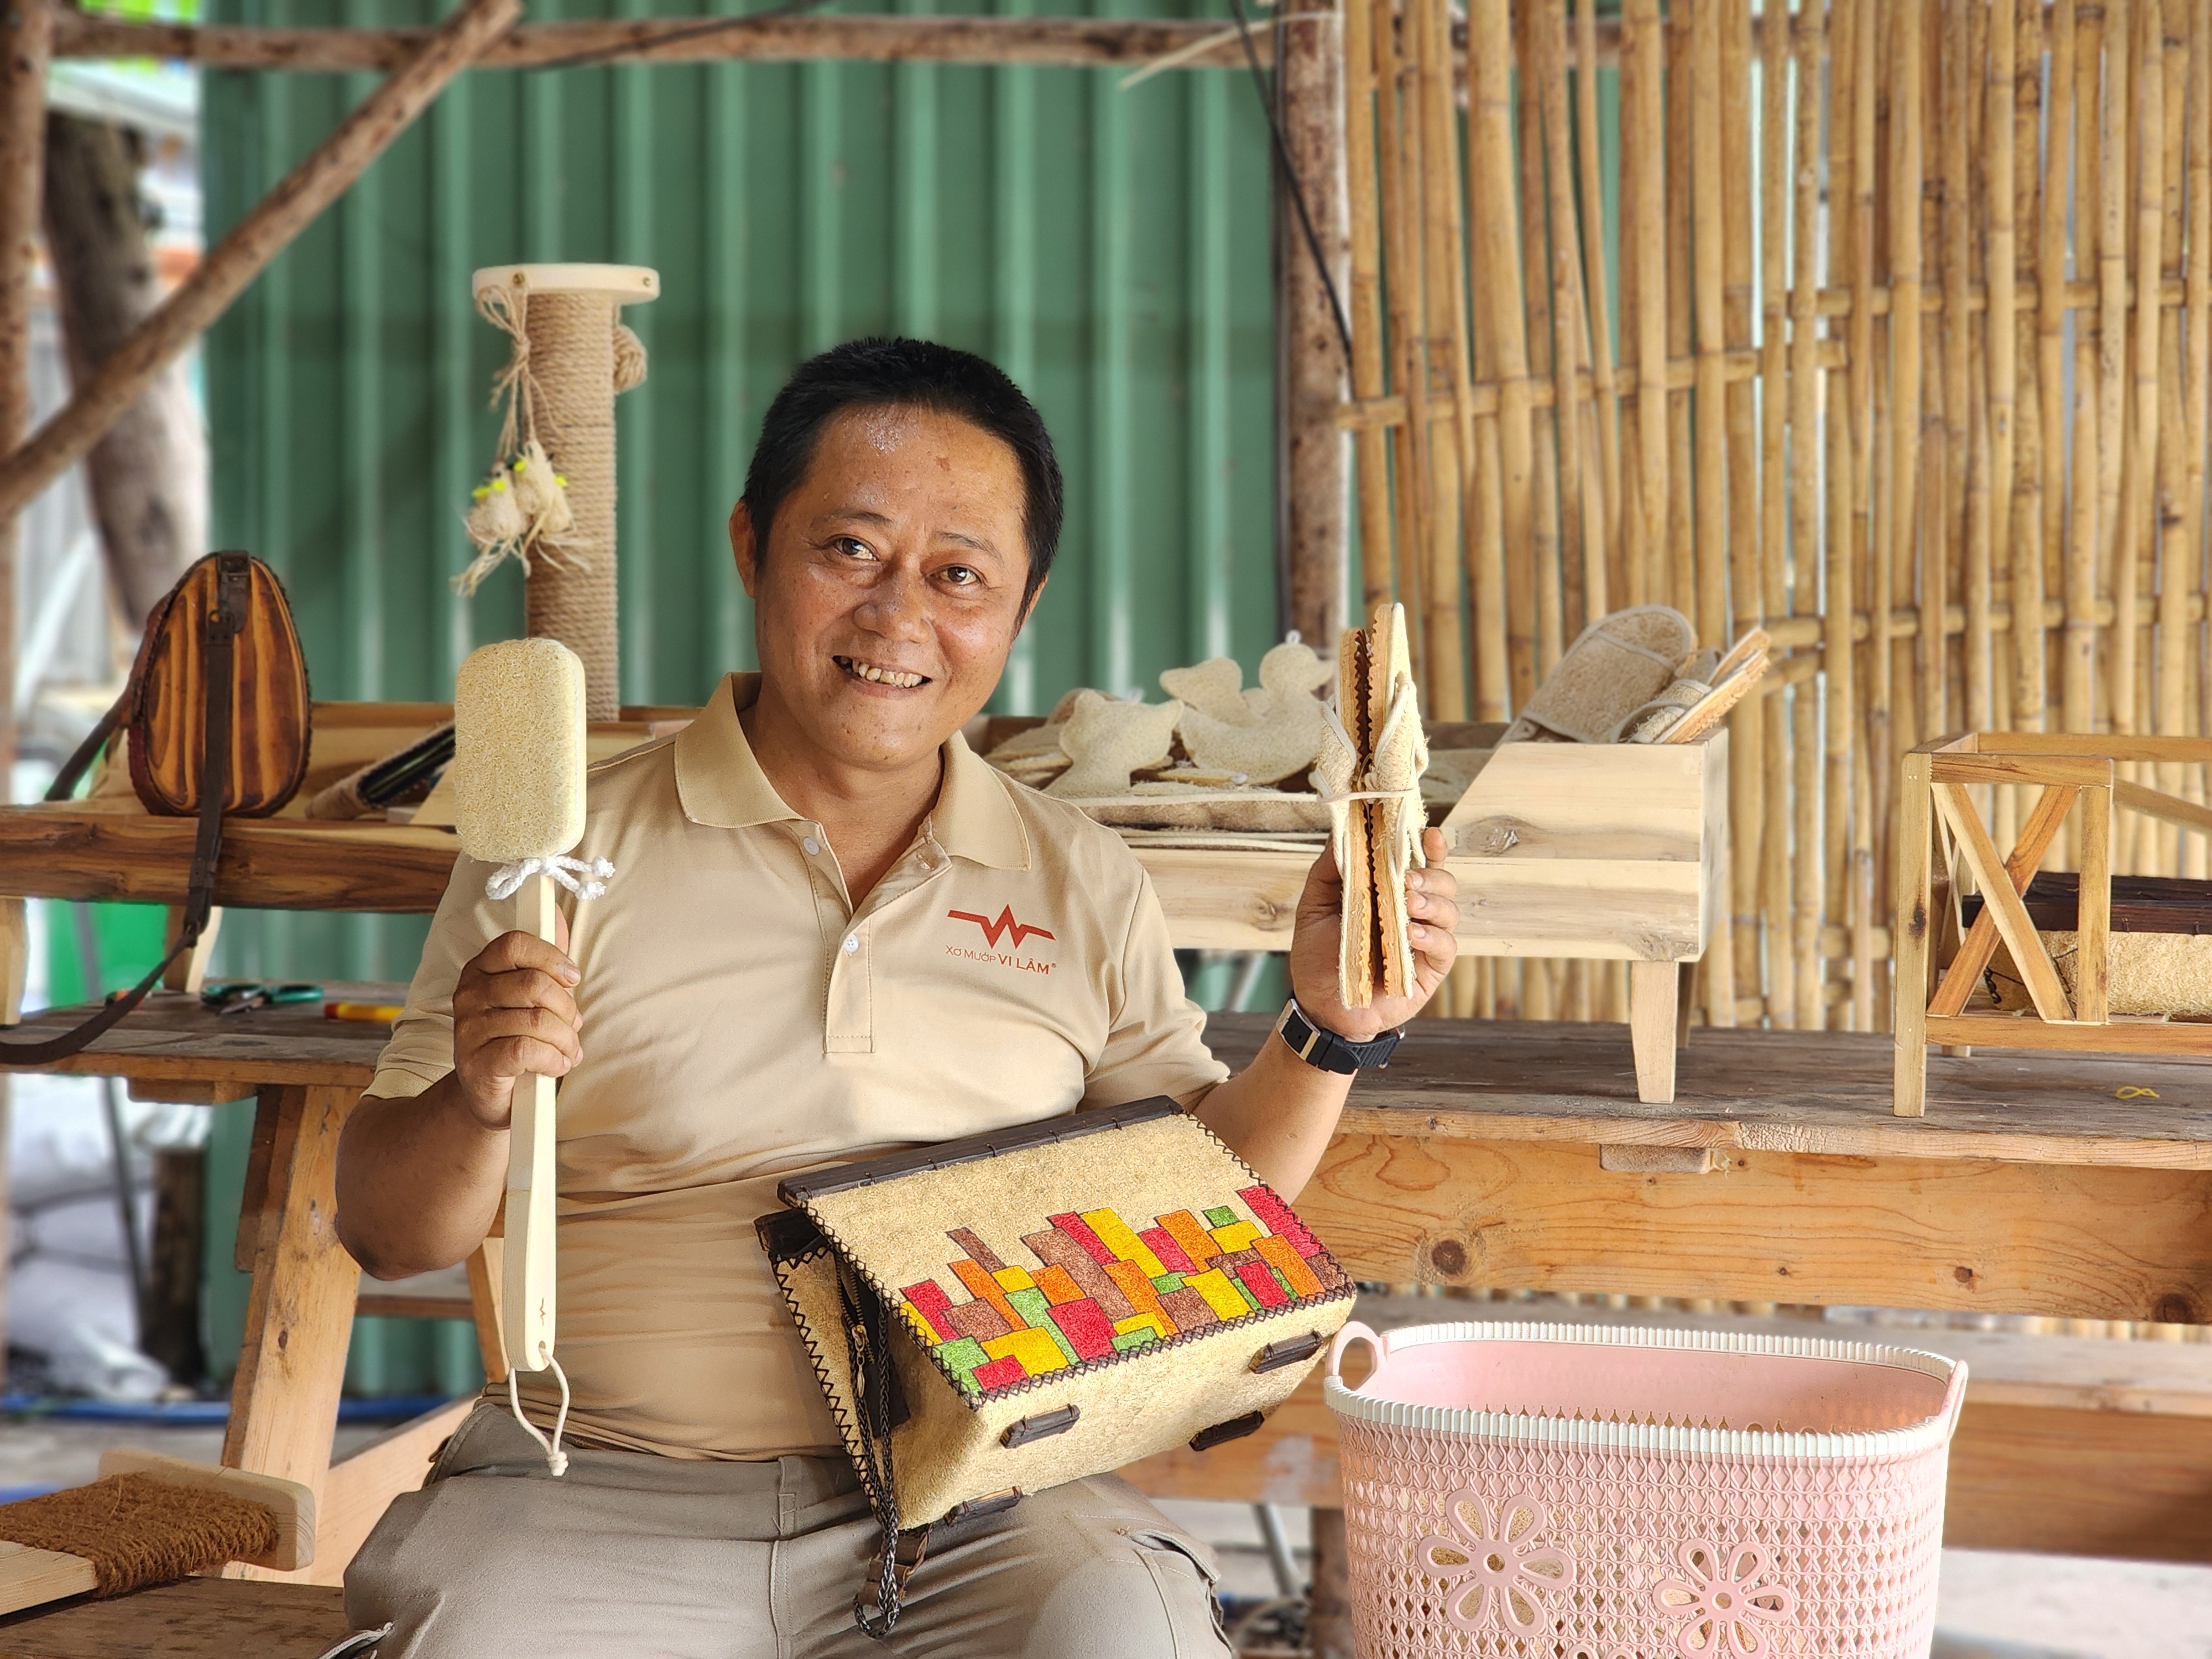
(526, 1308)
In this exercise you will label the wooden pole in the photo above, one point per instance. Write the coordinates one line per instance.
(768, 37)
(1600, 309)
(1643, 247)
(2197, 378)
(2051, 347)
(1805, 535)
(1495, 221)
(1708, 301)
(1371, 444)
(1445, 286)
(256, 238)
(145, 478)
(26, 41)
(1839, 659)
(1907, 111)
(2078, 670)
(2174, 569)
(1318, 452)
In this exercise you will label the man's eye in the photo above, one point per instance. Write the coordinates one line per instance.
(961, 575)
(851, 547)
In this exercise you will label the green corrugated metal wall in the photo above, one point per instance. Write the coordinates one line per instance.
(1109, 249)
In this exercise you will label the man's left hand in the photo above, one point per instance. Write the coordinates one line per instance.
(1430, 895)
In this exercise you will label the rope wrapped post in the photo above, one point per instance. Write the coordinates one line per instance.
(572, 355)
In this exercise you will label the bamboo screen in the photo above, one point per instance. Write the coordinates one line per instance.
(1910, 366)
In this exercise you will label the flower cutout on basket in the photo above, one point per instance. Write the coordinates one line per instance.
(1494, 1565)
(1724, 1603)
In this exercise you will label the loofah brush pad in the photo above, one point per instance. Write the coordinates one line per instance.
(519, 755)
(136, 1530)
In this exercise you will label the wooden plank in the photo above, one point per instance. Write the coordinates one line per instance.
(2092, 911)
(363, 1485)
(15, 958)
(487, 1275)
(199, 1619)
(284, 1402)
(31, 1578)
(292, 864)
(2139, 1036)
(2140, 798)
(2075, 1241)
(2081, 771)
(2017, 1483)
(1814, 1092)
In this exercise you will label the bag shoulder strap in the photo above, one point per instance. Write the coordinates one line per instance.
(220, 630)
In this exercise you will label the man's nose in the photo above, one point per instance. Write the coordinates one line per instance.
(895, 607)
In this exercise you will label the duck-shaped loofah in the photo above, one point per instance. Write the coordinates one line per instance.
(1278, 734)
(1106, 739)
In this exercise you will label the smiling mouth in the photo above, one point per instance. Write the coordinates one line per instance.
(874, 676)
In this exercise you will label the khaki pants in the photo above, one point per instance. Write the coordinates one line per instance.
(630, 1556)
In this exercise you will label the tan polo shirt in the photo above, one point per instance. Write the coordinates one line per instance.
(742, 1021)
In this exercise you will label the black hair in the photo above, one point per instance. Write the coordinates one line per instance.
(902, 373)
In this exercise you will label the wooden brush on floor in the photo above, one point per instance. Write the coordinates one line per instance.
(149, 1520)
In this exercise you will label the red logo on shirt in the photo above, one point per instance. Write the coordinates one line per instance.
(993, 931)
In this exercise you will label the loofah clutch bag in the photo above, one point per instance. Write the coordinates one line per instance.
(1002, 1314)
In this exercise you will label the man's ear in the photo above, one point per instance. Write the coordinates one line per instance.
(1028, 606)
(745, 547)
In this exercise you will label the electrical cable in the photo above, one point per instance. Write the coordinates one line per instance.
(1290, 175)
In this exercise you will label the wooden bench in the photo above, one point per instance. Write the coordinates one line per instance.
(199, 1619)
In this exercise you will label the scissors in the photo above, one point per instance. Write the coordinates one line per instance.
(236, 996)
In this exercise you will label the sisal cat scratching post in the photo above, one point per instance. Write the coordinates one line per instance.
(550, 502)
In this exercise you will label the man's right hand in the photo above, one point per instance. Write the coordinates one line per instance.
(514, 1014)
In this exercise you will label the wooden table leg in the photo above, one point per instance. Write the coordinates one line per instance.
(284, 1406)
(487, 1267)
(1655, 991)
(1915, 883)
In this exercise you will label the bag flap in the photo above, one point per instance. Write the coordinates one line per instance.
(1066, 1245)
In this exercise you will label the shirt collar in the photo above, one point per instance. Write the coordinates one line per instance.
(719, 781)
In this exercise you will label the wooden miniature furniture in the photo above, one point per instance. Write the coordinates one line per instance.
(1939, 967)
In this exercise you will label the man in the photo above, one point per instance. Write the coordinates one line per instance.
(784, 973)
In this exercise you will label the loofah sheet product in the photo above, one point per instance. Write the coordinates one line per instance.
(1615, 665)
(1370, 774)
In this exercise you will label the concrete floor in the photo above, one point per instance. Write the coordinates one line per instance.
(1993, 1605)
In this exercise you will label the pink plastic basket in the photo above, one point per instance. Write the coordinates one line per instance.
(1559, 1491)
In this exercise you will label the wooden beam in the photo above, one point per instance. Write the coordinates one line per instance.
(26, 42)
(2078, 1241)
(361, 1485)
(1316, 372)
(279, 216)
(284, 1403)
(1062, 42)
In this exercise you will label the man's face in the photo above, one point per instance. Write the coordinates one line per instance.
(890, 590)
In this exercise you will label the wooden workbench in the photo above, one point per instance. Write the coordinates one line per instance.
(1516, 1154)
(304, 1073)
(1507, 1154)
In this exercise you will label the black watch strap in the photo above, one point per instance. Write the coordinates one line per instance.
(1328, 1051)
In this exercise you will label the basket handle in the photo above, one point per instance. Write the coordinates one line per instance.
(1955, 1396)
(1353, 1332)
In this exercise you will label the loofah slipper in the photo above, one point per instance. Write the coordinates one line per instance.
(1691, 707)
(1615, 665)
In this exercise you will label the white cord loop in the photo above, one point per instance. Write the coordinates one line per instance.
(584, 877)
(555, 1460)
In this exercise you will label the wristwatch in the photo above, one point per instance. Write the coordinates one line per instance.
(1328, 1051)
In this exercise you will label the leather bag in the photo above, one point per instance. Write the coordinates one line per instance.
(218, 718)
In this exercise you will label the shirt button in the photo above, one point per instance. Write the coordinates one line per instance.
(852, 943)
(811, 845)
